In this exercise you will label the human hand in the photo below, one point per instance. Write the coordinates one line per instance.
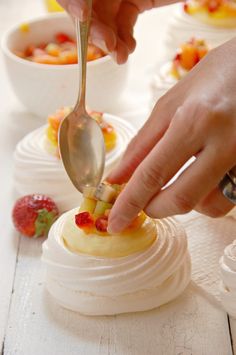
(112, 22)
(197, 117)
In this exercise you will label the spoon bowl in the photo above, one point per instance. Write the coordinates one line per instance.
(82, 149)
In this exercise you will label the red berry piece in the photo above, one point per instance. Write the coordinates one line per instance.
(84, 220)
(186, 7)
(213, 5)
(101, 224)
(62, 38)
(33, 215)
(177, 57)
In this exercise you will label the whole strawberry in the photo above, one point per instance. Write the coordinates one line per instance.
(33, 215)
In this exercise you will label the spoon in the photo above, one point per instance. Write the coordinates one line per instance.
(81, 141)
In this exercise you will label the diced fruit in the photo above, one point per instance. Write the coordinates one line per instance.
(94, 53)
(53, 49)
(33, 215)
(174, 71)
(29, 50)
(84, 220)
(54, 122)
(117, 187)
(24, 27)
(110, 139)
(95, 213)
(62, 37)
(60, 51)
(106, 193)
(46, 59)
(88, 205)
(51, 135)
(89, 192)
(202, 51)
(68, 57)
(186, 9)
(101, 208)
(213, 5)
(189, 57)
(107, 212)
(101, 224)
(37, 52)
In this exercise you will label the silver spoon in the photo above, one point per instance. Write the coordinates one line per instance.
(81, 141)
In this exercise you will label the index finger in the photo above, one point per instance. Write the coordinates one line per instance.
(162, 163)
(77, 8)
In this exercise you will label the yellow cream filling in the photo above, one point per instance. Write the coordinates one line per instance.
(110, 246)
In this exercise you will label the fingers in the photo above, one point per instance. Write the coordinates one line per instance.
(190, 188)
(148, 136)
(112, 25)
(153, 173)
(77, 8)
(121, 52)
(102, 36)
(214, 204)
(126, 19)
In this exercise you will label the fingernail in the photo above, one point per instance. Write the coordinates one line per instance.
(100, 43)
(83, 15)
(75, 11)
(116, 225)
(114, 56)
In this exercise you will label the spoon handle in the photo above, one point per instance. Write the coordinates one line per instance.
(82, 31)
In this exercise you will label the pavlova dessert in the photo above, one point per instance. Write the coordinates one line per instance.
(214, 20)
(95, 273)
(213, 12)
(185, 58)
(38, 167)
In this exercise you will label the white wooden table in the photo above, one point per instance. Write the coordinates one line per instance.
(30, 323)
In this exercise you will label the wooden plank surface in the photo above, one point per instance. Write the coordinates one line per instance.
(190, 325)
(233, 334)
(15, 122)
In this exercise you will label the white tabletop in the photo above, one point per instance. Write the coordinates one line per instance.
(30, 322)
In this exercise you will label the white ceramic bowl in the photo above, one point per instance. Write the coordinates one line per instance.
(43, 88)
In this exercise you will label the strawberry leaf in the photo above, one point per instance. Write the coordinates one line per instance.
(43, 222)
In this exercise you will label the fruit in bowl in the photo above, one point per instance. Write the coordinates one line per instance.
(42, 88)
(61, 50)
(54, 121)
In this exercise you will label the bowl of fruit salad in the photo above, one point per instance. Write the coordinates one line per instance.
(41, 62)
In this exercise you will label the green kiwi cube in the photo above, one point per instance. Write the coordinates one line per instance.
(101, 207)
(88, 205)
